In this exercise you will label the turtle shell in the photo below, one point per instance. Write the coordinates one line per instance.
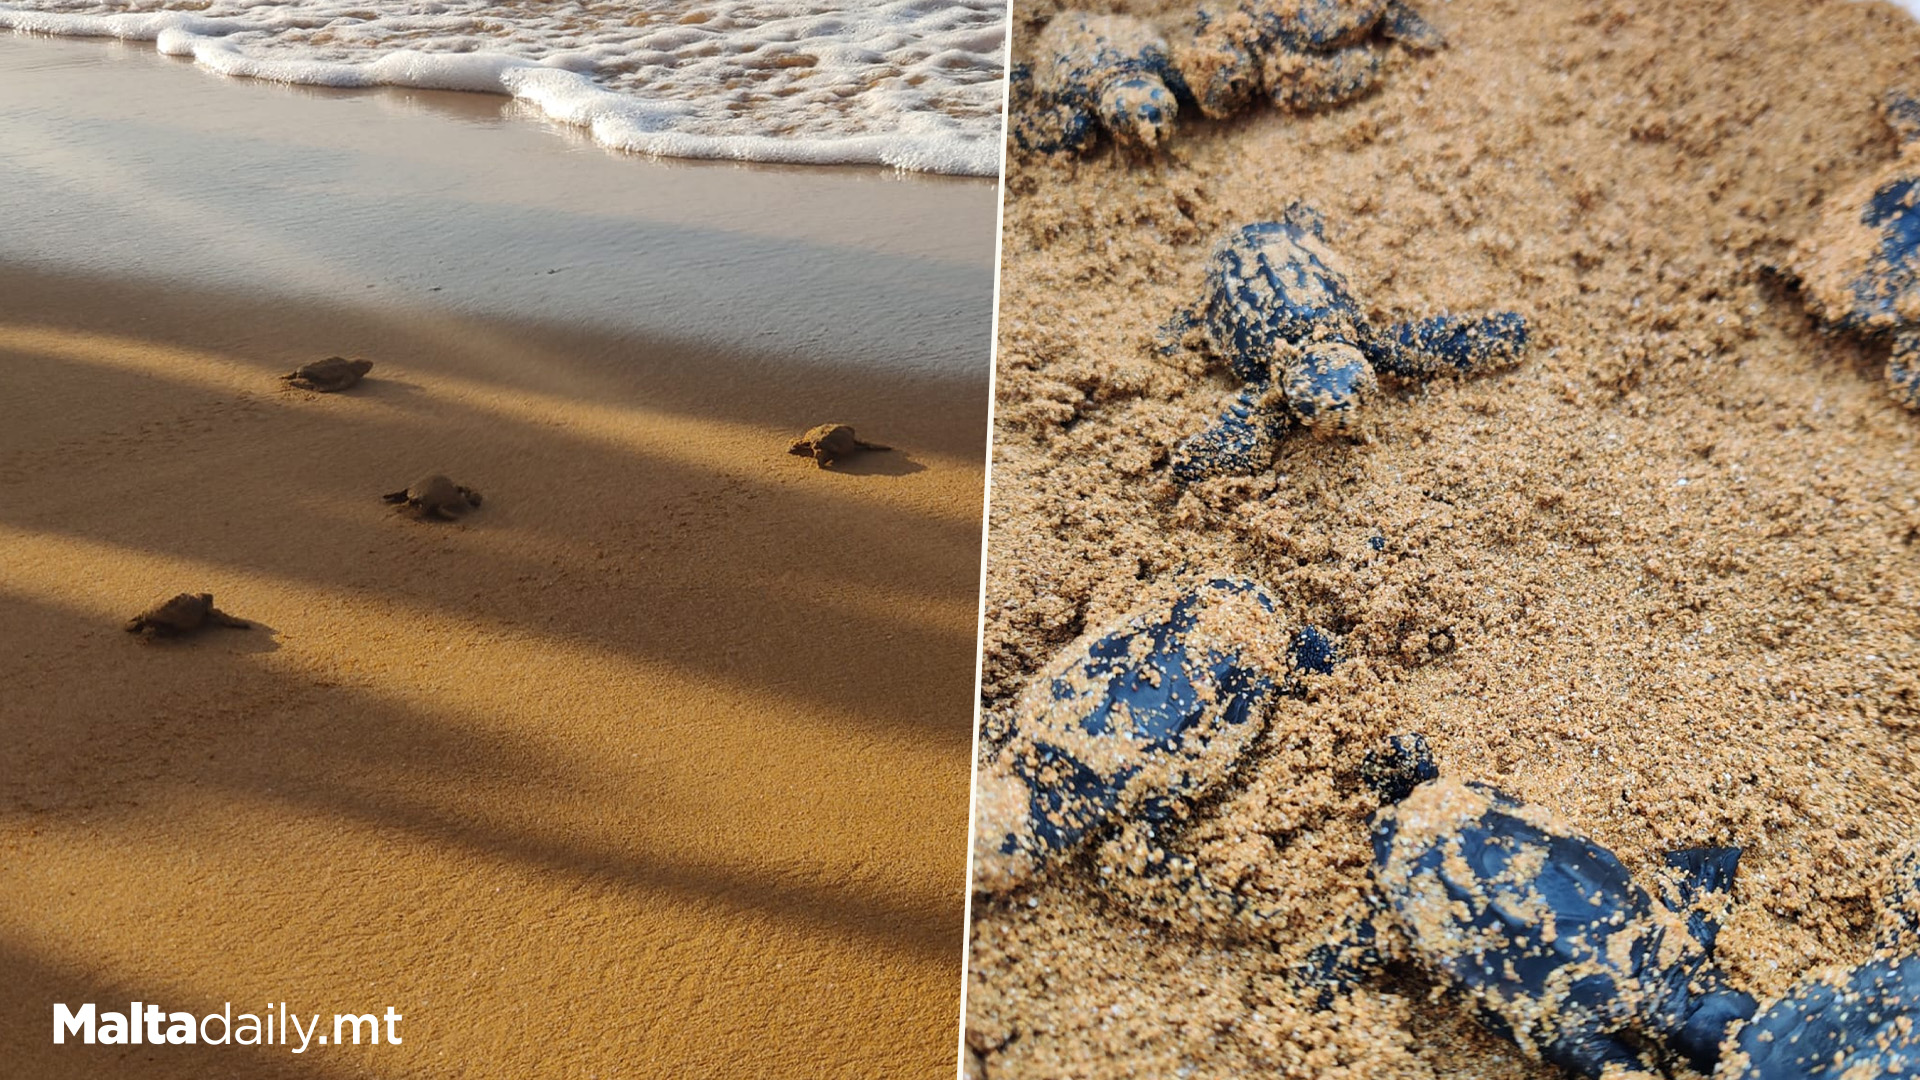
(1544, 928)
(1856, 1022)
(1862, 268)
(1272, 284)
(1128, 720)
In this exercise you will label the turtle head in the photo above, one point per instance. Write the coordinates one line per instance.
(360, 367)
(1325, 383)
(1139, 110)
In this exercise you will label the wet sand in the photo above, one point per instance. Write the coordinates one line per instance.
(654, 765)
(1658, 577)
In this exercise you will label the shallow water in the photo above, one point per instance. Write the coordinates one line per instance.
(911, 83)
(123, 164)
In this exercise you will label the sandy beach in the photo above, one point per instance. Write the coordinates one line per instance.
(655, 764)
(1656, 577)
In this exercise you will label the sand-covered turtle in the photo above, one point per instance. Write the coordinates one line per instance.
(435, 496)
(1130, 719)
(1860, 270)
(1546, 932)
(326, 376)
(1276, 307)
(186, 613)
(1094, 73)
(1299, 54)
(828, 443)
(1843, 1023)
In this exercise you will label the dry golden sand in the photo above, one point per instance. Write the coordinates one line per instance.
(654, 765)
(1660, 577)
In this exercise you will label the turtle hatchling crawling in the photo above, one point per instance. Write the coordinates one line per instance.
(1545, 931)
(1277, 309)
(1302, 54)
(326, 376)
(1128, 720)
(184, 614)
(435, 496)
(829, 443)
(1092, 73)
(1860, 271)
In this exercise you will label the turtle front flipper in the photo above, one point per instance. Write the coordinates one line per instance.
(1408, 27)
(221, 618)
(395, 496)
(1458, 344)
(1239, 443)
(863, 444)
(1903, 369)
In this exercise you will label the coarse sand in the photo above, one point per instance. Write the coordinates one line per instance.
(1658, 577)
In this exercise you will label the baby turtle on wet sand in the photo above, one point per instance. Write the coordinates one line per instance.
(435, 496)
(1277, 309)
(1544, 930)
(1304, 54)
(184, 614)
(1860, 271)
(326, 376)
(829, 443)
(1131, 719)
(1095, 72)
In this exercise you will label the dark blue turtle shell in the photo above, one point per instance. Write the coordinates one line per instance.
(1863, 1022)
(1547, 931)
(1271, 284)
(1131, 718)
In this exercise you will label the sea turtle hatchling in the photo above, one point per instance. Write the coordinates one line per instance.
(1303, 54)
(1092, 73)
(435, 496)
(1860, 270)
(326, 376)
(1277, 308)
(1545, 931)
(829, 443)
(186, 613)
(1133, 717)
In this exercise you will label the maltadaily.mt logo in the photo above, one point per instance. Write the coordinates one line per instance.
(149, 1023)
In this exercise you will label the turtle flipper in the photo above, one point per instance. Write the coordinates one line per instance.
(472, 496)
(1353, 957)
(1704, 872)
(395, 496)
(1406, 26)
(1240, 442)
(1449, 343)
(221, 618)
(1590, 1053)
(865, 445)
(1903, 369)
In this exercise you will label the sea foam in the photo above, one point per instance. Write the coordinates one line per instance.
(915, 84)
